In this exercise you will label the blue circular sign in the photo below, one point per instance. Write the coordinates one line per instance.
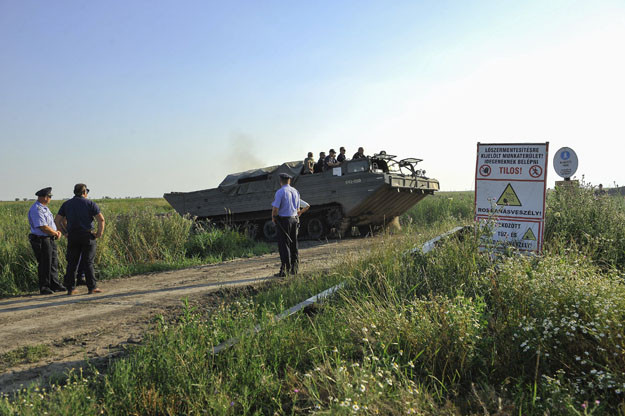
(565, 162)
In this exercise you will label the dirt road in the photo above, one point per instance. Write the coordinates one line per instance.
(96, 327)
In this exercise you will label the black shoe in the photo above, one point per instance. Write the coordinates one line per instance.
(59, 288)
(46, 291)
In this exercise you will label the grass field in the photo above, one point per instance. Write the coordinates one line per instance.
(451, 332)
(141, 235)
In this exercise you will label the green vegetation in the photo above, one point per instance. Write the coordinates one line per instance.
(23, 355)
(141, 235)
(593, 224)
(451, 332)
(443, 205)
(211, 243)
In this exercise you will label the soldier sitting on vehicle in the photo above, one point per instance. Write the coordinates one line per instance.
(360, 154)
(309, 164)
(330, 161)
(380, 163)
(319, 165)
(341, 157)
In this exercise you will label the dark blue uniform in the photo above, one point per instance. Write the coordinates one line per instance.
(287, 201)
(79, 212)
(44, 247)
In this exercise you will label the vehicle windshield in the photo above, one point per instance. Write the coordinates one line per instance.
(361, 165)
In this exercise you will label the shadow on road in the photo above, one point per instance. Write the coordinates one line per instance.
(53, 300)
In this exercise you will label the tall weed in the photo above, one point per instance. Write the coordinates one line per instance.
(592, 222)
(140, 236)
(454, 331)
(443, 206)
(222, 243)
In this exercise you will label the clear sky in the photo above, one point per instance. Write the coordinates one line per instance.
(139, 98)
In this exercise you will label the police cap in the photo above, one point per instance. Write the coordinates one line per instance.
(285, 176)
(44, 192)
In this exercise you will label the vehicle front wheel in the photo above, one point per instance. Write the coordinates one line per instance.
(315, 228)
(269, 231)
(364, 230)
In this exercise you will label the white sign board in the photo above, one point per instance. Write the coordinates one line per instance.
(565, 162)
(510, 184)
(513, 199)
(524, 235)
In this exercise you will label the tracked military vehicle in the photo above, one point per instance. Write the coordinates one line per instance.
(360, 194)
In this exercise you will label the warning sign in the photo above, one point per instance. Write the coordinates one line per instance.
(524, 200)
(529, 235)
(536, 171)
(512, 161)
(521, 235)
(509, 197)
(510, 183)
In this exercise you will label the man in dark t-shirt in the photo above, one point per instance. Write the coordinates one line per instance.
(75, 220)
(330, 161)
(360, 154)
(341, 157)
(319, 165)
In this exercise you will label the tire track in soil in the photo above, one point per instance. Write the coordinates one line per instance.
(97, 327)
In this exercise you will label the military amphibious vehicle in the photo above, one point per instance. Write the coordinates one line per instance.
(360, 194)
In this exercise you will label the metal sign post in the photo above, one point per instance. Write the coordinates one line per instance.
(510, 184)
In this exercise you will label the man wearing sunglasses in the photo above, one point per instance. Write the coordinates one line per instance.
(75, 220)
(43, 233)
